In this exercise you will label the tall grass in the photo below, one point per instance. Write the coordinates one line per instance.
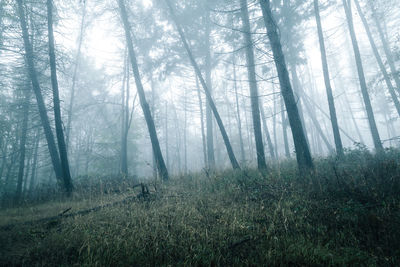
(230, 218)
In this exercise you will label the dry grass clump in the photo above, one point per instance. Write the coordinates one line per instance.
(233, 218)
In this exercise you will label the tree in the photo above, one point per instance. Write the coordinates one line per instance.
(38, 93)
(303, 155)
(361, 76)
(378, 58)
(251, 70)
(328, 87)
(56, 102)
(225, 137)
(162, 169)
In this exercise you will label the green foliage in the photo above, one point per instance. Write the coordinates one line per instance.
(233, 218)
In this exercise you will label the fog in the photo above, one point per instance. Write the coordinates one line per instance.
(102, 119)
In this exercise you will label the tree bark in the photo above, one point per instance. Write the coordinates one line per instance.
(62, 148)
(328, 87)
(360, 69)
(251, 71)
(228, 146)
(303, 155)
(162, 169)
(38, 93)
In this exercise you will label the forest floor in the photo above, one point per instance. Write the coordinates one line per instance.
(348, 216)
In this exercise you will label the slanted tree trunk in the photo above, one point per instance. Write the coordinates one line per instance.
(309, 110)
(74, 77)
(331, 101)
(303, 154)
(228, 146)
(251, 70)
(363, 84)
(162, 169)
(56, 102)
(379, 59)
(386, 48)
(38, 93)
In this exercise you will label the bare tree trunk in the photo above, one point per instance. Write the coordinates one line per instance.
(185, 132)
(38, 93)
(167, 135)
(162, 169)
(379, 59)
(209, 118)
(124, 103)
(239, 120)
(251, 70)
(274, 124)
(56, 100)
(74, 77)
(22, 144)
(203, 136)
(284, 128)
(309, 109)
(303, 155)
(331, 101)
(34, 164)
(228, 146)
(361, 76)
(266, 132)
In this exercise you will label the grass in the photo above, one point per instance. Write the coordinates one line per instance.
(231, 218)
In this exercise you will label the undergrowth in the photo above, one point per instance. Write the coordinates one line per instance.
(229, 218)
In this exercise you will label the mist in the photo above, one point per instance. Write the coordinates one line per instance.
(159, 105)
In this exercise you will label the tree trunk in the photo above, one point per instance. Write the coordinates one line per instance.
(303, 155)
(209, 118)
(162, 169)
(386, 48)
(34, 164)
(22, 144)
(361, 76)
(309, 109)
(251, 70)
(239, 120)
(284, 128)
(74, 77)
(38, 93)
(266, 132)
(331, 101)
(203, 136)
(379, 59)
(167, 135)
(229, 149)
(56, 101)
(124, 103)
